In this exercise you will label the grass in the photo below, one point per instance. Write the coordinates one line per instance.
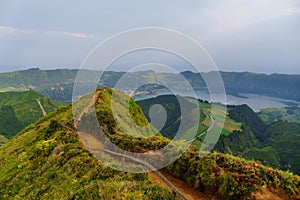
(46, 161)
(19, 109)
(291, 114)
(222, 120)
(229, 177)
(3, 139)
(268, 155)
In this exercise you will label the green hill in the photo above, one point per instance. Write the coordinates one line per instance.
(47, 161)
(19, 109)
(244, 133)
(275, 145)
(172, 107)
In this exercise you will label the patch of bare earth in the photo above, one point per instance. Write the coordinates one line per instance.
(266, 194)
(185, 189)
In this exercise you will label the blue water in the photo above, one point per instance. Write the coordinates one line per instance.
(255, 101)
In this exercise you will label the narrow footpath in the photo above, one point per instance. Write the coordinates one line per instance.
(41, 106)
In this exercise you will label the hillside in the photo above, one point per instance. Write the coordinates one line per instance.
(19, 109)
(48, 161)
(244, 133)
(172, 107)
(275, 145)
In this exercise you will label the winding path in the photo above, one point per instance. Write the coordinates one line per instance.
(211, 125)
(95, 146)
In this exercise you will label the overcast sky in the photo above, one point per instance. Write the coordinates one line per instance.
(257, 35)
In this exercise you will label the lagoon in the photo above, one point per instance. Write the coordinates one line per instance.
(255, 101)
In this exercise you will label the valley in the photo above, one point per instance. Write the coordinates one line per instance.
(53, 156)
(261, 138)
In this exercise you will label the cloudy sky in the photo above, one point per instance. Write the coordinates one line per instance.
(257, 36)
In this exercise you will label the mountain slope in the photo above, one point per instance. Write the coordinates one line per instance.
(285, 138)
(275, 145)
(171, 105)
(47, 161)
(19, 109)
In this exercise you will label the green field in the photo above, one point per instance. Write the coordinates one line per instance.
(290, 114)
(222, 120)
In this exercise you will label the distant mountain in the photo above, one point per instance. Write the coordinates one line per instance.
(58, 84)
(275, 85)
(19, 109)
(47, 160)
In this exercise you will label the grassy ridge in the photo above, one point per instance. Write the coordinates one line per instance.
(230, 177)
(46, 161)
(19, 109)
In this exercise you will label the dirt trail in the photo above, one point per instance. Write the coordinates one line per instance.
(265, 194)
(184, 188)
(41, 106)
(157, 180)
(90, 141)
(92, 102)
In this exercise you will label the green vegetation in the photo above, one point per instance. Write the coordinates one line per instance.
(47, 161)
(290, 114)
(172, 107)
(246, 115)
(173, 112)
(3, 140)
(58, 84)
(285, 138)
(267, 154)
(9, 123)
(230, 177)
(275, 145)
(19, 109)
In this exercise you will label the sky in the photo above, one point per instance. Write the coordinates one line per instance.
(259, 36)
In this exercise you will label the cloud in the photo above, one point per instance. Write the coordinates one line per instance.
(8, 30)
(293, 10)
(76, 35)
(259, 32)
